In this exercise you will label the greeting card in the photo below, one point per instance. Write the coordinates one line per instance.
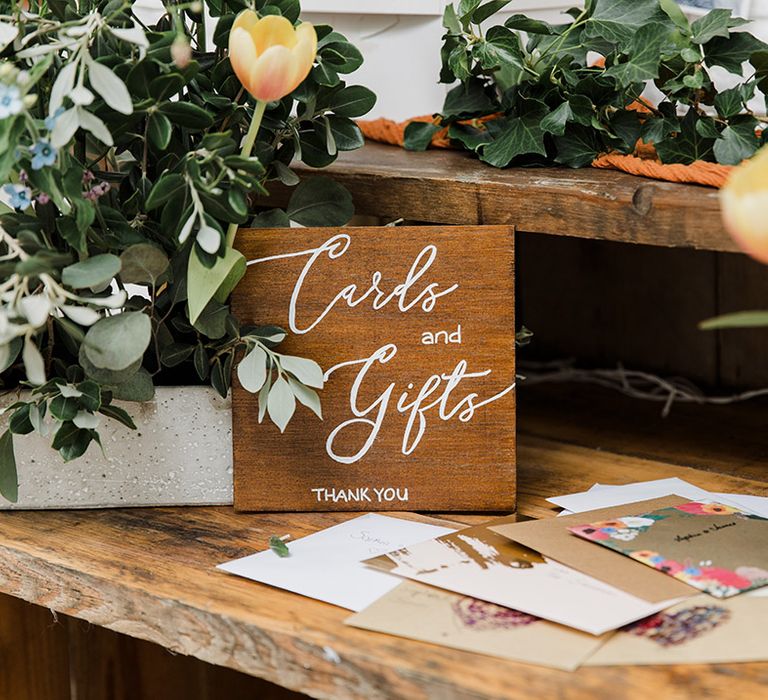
(716, 548)
(480, 563)
(326, 565)
(428, 614)
(699, 630)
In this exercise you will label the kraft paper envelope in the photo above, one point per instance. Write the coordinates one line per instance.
(719, 549)
(700, 630)
(551, 538)
(428, 614)
(480, 563)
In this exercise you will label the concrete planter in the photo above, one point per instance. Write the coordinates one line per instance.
(181, 454)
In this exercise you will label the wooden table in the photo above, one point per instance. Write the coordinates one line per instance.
(149, 574)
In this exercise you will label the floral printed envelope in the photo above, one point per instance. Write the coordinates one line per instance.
(713, 547)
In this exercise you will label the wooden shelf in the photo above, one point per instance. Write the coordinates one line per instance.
(149, 573)
(449, 187)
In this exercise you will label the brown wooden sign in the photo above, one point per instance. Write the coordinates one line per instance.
(414, 329)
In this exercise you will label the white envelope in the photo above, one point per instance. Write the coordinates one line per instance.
(326, 565)
(606, 496)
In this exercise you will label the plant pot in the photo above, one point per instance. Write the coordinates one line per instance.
(180, 454)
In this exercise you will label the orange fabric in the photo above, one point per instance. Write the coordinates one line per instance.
(644, 162)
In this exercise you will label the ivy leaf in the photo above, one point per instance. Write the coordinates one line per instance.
(521, 136)
(418, 135)
(688, 145)
(526, 24)
(714, 23)
(578, 146)
(729, 102)
(555, 121)
(732, 51)
(737, 141)
(617, 21)
(467, 100)
(643, 56)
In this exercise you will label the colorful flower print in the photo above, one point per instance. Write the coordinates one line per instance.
(674, 629)
(637, 522)
(753, 573)
(479, 615)
(707, 509)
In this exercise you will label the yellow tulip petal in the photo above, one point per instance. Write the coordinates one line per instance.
(271, 76)
(242, 55)
(744, 201)
(247, 20)
(272, 30)
(304, 52)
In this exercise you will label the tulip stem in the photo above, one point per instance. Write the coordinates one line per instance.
(250, 140)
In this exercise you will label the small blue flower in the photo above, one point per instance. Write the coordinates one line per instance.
(50, 121)
(10, 101)
(20, 196)
(44, 154)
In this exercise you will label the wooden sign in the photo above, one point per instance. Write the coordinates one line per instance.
(414, 329)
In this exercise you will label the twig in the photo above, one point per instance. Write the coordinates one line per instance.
(632, 383)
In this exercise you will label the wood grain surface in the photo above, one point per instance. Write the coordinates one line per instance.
(406, 429)
(149, 573)
(450, 187)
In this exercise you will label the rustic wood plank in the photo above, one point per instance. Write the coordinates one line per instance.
(742, 286)
(728, 439)
(149, 573)
(34, 655)
(105, 665)
(449, 187)
(605, 303)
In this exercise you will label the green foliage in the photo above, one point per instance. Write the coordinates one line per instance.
(122, 166)
(556, 105)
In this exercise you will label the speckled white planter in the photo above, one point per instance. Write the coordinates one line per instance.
(181, 454)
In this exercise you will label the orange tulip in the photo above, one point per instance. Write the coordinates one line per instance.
(744, 201)
(269, 55)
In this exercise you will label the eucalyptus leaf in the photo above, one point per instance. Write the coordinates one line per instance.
(116, 342)
(93, 272)
(281, 403)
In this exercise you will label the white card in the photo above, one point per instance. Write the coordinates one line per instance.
(472, 565)
(606, 496)
(326, 565)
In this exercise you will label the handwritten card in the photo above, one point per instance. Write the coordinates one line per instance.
(480, 563)
(550, 537)
(714, 547)
(700, 630)
(326, 565)
(428, 614)
(414, 328)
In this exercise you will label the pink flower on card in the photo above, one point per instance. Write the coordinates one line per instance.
(590, 532)
(692, 508)
(725, 577)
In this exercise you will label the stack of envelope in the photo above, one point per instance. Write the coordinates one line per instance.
(659, 572)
